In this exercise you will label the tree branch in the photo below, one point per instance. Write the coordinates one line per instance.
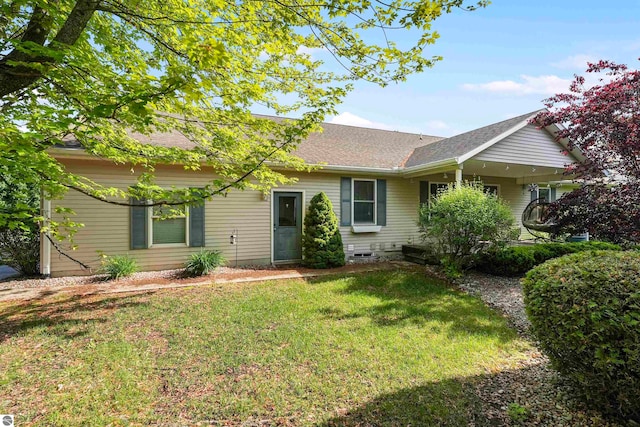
(215, 192)
(61, 252)
(17, 77)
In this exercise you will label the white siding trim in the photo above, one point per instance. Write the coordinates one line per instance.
(45, 244)
(359, 169)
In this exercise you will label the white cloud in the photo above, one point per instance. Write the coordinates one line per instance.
(431, 127)
(350, 119)
(310, 50)
(575, 62)
(529, 85)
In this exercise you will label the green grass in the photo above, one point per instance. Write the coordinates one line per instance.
(387, 348)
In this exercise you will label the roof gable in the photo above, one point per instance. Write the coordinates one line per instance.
(466, 144)
(528, 146)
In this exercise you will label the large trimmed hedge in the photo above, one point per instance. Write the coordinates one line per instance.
(585, 311)
(517, 260)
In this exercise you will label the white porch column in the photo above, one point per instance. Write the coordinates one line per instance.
(459, 175)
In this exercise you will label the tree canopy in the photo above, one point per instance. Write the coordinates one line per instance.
(101, 72)
(603, 122)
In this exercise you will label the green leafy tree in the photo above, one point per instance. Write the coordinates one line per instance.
(19, 231)
(101, 73)
(463, 221)
(321, 241)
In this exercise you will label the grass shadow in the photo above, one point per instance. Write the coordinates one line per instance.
(451, 403)
(410, 297)
(68, 317)
(479, 400)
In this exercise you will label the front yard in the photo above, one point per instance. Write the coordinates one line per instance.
(384, 348)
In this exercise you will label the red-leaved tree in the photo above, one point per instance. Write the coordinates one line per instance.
(603, 122)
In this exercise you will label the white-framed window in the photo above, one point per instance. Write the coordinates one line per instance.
(493, 189)
(168, 226)
(544, 193)
(364, 201)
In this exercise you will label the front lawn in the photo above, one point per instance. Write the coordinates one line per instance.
(384, 348)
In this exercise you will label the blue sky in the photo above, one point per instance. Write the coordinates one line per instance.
(499, 62)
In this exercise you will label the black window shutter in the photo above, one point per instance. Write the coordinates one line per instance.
(138, 224)
(196, 225)
(345, 201)
(552, 194)
(382, 202)
(424, 192)
(534, 195)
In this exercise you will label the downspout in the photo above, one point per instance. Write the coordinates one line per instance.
(45, 244)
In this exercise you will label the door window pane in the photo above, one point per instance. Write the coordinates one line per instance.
(287, 211)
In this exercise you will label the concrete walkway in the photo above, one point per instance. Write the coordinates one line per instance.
(112, 287)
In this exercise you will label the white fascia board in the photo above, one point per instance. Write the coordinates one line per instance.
(493, 141)
(556, 127)
(453, 162)
(359, 169)
(341, 168)
(71, 153)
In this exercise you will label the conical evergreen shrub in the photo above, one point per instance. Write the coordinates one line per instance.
(321, 241)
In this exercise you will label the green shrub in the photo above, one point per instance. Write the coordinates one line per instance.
(203, 262)
(585, 311)
(517, 260)
(20, 249)
(321, 241)
(118, 266)
(463, 221)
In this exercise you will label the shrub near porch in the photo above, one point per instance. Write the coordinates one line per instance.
(461, 222)
(391, 348)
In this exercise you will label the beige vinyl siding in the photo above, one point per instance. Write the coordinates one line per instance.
(402, 209)
(106, 227)
(528, 146)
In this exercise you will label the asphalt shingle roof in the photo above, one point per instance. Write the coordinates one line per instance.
(343, 145)
(338, 145)
(461, 144)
